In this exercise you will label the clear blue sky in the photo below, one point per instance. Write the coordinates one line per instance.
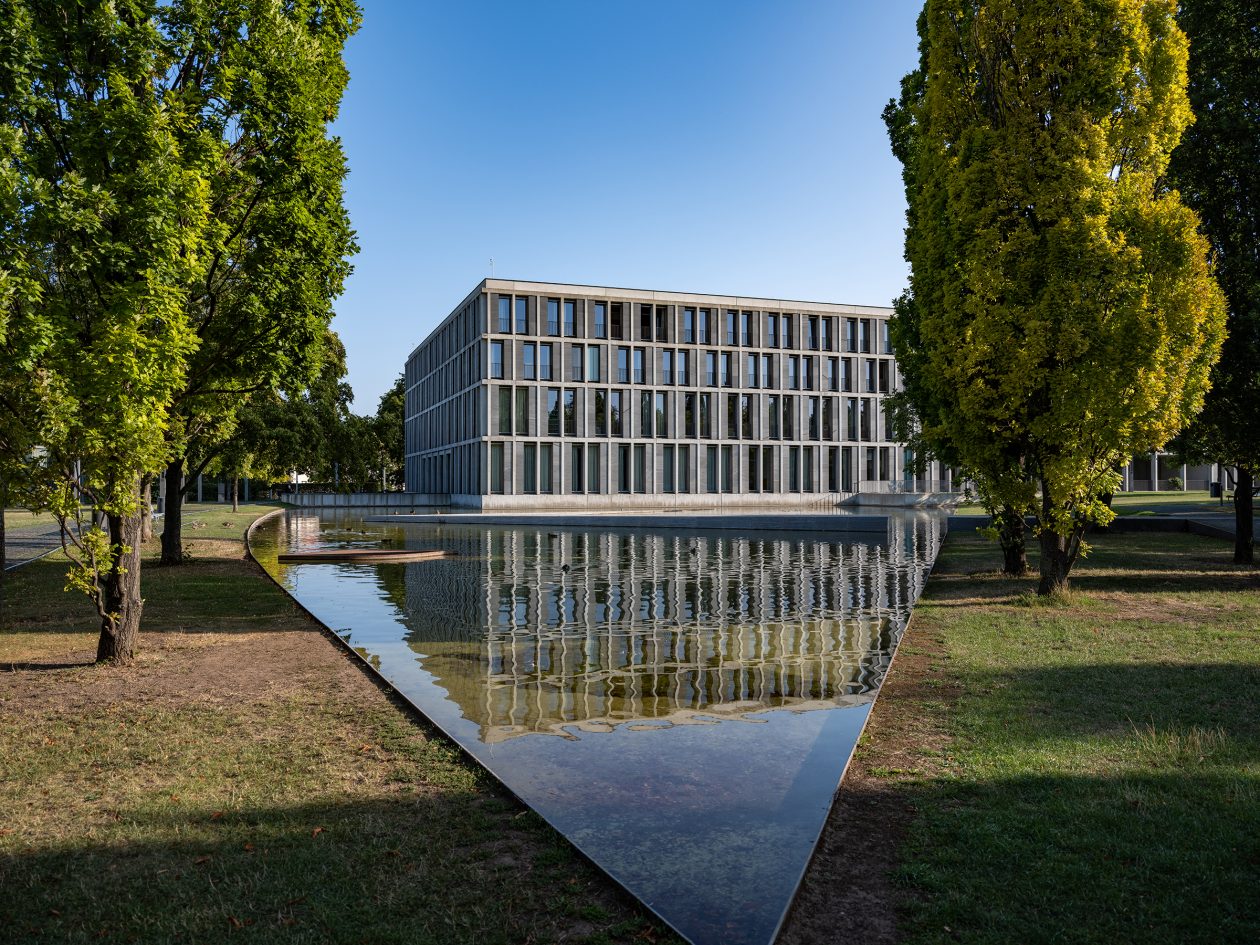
(726, 147)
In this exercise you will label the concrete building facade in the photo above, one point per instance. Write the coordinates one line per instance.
(538, 395)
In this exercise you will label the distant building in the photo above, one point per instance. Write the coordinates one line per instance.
(537, 395)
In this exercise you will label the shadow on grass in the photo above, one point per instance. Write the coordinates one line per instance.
(439, 867)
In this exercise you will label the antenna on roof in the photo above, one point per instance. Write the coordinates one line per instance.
(491, 267)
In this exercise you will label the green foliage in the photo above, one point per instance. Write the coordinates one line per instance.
(1217, 168)
(1061, 315)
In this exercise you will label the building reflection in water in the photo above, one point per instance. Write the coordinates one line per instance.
(532, 631)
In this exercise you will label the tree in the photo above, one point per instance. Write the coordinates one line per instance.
(388, 428)
(1217, 168)
(1065, 315)
(105, 210)
(265, 81)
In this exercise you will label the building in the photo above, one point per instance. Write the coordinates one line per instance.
(537, 395)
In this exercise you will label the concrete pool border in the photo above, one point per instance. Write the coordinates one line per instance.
(609, 521)
(740, 521)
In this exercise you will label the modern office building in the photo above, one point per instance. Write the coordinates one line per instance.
(542, 395)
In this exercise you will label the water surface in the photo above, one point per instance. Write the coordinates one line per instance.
(680, 706)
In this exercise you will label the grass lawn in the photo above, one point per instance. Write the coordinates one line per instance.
(245, 778)
(19, 520)
(1090, 772)
(1150, 503)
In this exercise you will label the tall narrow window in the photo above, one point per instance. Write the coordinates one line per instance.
(689, 415)
(576, 356)
(811, 412)
(732, 336)
(577, 479)
(772, 331)
(710, 373)
(593, 469)
(593, 356)
(746, 328)
(623, 467)
(528, 353)
(623, 365)
(864, 335)
(496, 359)
(553, 411)
(662, 323)
(645, 323)
(767, 469)
(684, 469)
(793, 366)
(732, 417)
(728, 469)
(753, 480)
(704, 329)
(570, 412)
(616, 322)
(505, 411)
(706, 416)
(808, 460)
(794, 469)
(600, 326)
(645, 414)
(746, 410)
(789, 411)
(689, 325)
(711, 469)
(601, 413)
(505, 314)
(553, 316)
(772, 415)
(667, 367)
(684, 376)
(667, 469)
(788, 331)
(522, 315)
(570, 318)
(529, 475)
(638, 367)
(545, 469)
(544, 362)
(522, 411)
(640, 468)
(751, 364)
(728, 374)
(615, 421)
(662, 414)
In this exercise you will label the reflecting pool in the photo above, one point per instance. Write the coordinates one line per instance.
(680, 705)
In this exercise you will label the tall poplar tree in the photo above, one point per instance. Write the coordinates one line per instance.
(1217, 169)
(1065, 317)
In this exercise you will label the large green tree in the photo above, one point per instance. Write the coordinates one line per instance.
(105, 210)
(265, 80)
(1065, 315)
(1217, 168)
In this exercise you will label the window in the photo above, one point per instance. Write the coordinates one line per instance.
(811, 414)
(553, 316)
(577, 479)
(576, 356)
(746, 328)
(522, 315)
(808, 456)
(772, 414)
(681, 368)
(667, 469)
(623, 467)
(689, 325)
(885, 338)
(809, 372)
(811, 332)
(767, 469)
(793, 366)
(689, 415)
(851, 415)
(728, 375)
(731, 337)
(732, 417)
(592, 468)
(528, 353)
(846, 375)
(505, 314)
(522, 411)
(788, 331)
(828, 425)
(684, 469)
(728, 469)
(850, 334)
(544, 468)
(593, 355)
(496, 359)
(864, 418)
(600, 328)
(505, 411)
(667, 367)
(570, 318)
(544, 362)
(794, 469)
(662, 414)
(496, 468)
(711, 469)
(615, 414)
(706, 416)
(645, 414)
(601, 413)
(884, 366)
(767, 372)
(570, 412)
(871, 382)
(638, 366)
(833, 380)
(553, 411)
(833, 469)
(623, 365)
(615, 321)
(704, 327)
(529, 475)
(746, 416)
(753, 480)
(772, 331)
(710, 373)
(645, 323)
(864, 335)
(640, 468)
(789, 411)
(828, 333)
(662, 323)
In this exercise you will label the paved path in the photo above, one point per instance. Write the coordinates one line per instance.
(26, 544)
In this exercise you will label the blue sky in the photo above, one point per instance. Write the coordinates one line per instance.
(726, 147)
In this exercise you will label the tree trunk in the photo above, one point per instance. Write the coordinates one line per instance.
(1244, 522)
(1011, 528)
(1058, 552)
(146, 509)
(4, 560)
(120, 627)
(236, 505)
(172, 519)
